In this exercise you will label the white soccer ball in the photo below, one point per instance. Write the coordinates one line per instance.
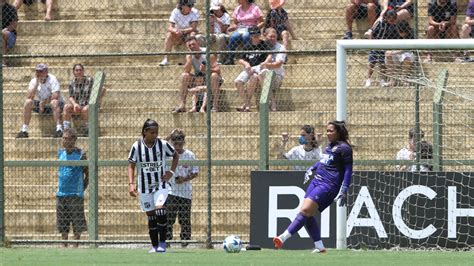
(232, 244)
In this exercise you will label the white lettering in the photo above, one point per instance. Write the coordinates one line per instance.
(454, 212)
(397, 212)
(374, 220)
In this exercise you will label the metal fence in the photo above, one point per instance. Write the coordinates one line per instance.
(126, 40)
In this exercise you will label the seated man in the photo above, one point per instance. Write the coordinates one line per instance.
(190, 81)
(442, 21)
(9, 23)
(49, 7)
(183, 22)
(467, 29)
(404, 8)
(80, 89)
(273, 62)
(44, 97)
(409, 153)
(252, 68)
(358, 9)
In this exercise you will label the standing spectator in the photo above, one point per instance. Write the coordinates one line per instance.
(382, 29)
(49, 7)
(275, 63)
(180, 197)
(44, 97)
(245, 15)
(467, 29)
(409, 153)
(9, 24)
(183, 22)
(197, 62)
(400, 62)
(359, 9)
(442, 16)
(220, 21)
(80, 89)
(149, 155)
(252, 68)
(277, 18)
(72, 183)
(307, 150)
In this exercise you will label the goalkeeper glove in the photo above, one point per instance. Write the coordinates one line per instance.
(342, 197)
(307, 176)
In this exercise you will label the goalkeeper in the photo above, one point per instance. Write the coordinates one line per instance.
(332, 174)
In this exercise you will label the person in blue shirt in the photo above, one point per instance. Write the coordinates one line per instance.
(72, 182)
(332, 177)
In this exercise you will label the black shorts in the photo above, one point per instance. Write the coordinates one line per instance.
(362, 12)
(47, 108)
(199, 79)
(70, 210)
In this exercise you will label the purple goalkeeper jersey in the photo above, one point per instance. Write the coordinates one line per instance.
(330, 171)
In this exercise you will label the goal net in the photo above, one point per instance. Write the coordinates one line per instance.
(410, 109)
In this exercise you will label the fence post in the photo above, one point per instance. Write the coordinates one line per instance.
(94, 103)
(438, 120)
(264, 116)
(2, 181)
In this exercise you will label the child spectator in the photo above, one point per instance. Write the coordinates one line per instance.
(409, 153)
(384, 29)
(72, 183)
(9, 24)
(49, 7)
(179, 200)
(277, 18)
(442, 16)
(467, 29)
(245, 15)
(183, 22)
(400, 62)
(358, 9)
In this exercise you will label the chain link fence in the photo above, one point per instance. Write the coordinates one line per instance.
(129, 40)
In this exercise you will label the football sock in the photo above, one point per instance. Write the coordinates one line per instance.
(162, 223)
(285, 236)
(313, 228)
(153, 230)
(297, 223)
(59, 127)
(24, 128)
(319, 245)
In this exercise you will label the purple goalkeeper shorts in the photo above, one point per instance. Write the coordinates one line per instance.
(321, 193)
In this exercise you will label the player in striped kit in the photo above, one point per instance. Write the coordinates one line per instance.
(148, 157)
(332, 175)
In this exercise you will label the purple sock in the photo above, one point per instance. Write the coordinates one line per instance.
(297, 223)
(313, 228)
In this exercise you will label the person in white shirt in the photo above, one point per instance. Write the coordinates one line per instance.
(220, 22)
(44, 97)
(409, 153)
(183, 22)
(309, 148)
(179, 199)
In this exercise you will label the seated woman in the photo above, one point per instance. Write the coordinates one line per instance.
(245, 15)
(277, 18)
(183, 22)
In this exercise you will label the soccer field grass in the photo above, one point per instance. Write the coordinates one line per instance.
(102, 256)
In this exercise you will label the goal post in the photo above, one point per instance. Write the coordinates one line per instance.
(415, 78)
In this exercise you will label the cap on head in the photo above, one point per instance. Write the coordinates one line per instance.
(41, 67)
(216, 5)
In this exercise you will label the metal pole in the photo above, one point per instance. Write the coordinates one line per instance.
(2, 158)
(209, 125)
(341, 115)
(264, 116)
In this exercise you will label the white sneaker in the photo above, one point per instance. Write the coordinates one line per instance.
(164, 62)
(368, 34)
(384, 83)
(368, 83)
(152, 250)
(317, 250)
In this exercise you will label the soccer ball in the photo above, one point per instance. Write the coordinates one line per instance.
(232, 244)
